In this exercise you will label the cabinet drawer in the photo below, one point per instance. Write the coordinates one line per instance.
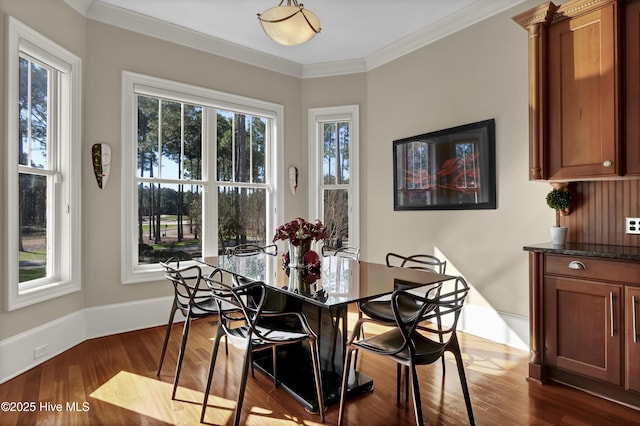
(594, 268)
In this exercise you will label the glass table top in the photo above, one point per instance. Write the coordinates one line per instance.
(342, 280)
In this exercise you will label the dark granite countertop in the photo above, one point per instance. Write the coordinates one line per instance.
(588, 250)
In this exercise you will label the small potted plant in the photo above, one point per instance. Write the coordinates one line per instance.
(559, 199)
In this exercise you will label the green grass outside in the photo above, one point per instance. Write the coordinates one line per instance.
(32, 273)
(177, 244)
(32, 255)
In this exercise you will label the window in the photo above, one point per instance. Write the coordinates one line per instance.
(43, 168)
(333, 136)
(202, 166)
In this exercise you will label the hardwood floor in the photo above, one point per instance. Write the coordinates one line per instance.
(112, 381)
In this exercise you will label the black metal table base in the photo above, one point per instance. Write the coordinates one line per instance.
(298, 381)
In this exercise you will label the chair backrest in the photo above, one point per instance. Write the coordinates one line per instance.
(417, 261)
(187, 283)
(437, 313)
(251, 250)
(344, 251)
(239, 303)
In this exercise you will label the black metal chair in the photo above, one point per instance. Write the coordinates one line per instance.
(192, 300)
(251, 250)
(246, 250)
(256, 334)
(381, 310)
(412, 341)
(344, 251)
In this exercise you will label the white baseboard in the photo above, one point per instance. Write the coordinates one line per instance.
(500, 327)
(123, 317)
(61, 334)
(17, 352)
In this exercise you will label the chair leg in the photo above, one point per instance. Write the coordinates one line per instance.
(315, 358)
(166, 337)
(417, 403)
(406, 383)
(398, 382)
(359, 336)
(345, 381)
(274, 355)
(183, 345)
(465, 387)
(243, 382)
(212, 365)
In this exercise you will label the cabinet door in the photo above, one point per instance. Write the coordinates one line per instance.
(583, 327)
(583, 96)
(632, 87)
(632, 369)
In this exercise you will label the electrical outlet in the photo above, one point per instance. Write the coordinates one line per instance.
(633, 225)
(40, 351)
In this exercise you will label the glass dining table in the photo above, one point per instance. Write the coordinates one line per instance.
(323, 297)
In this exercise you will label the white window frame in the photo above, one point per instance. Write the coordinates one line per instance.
(65, 218)
(138, 84)
(317, 117)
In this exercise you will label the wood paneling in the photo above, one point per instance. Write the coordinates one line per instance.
(599, 209)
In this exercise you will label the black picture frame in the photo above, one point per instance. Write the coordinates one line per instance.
(450, 169)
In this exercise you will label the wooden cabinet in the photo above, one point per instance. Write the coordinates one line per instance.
(575, 90)
(583, 325)
(632, 368)
(583, 93)
(585, 319)
(632, 87)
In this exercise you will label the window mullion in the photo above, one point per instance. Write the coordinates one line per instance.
(181, 161)
(233, 147)
(29, 109)
(159, 154)
(337, 151)
(251, 179)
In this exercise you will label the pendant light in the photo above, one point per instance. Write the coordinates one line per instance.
(289, 25)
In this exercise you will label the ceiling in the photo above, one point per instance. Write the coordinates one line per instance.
(357, 35)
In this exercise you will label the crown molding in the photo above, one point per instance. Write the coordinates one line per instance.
(453, 23)
(137, 22)
(132, 21)
(81, 6)
(328, 69)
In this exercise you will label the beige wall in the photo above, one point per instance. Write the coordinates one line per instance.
(476, 74)
(68, 29)
(473, 75)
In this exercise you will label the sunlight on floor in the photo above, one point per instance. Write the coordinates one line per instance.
(152, 398)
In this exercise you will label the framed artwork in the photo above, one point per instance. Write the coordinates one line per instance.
(449, 169)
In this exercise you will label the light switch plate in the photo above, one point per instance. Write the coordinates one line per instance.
(633, 225)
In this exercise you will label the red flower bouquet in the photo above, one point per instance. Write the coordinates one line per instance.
(299, 231)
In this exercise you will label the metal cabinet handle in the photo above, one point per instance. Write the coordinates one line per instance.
(607, 163)
(635, 319)
(611, 312)
(576, 264)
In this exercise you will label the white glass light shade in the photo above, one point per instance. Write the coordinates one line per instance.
(289, 25)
